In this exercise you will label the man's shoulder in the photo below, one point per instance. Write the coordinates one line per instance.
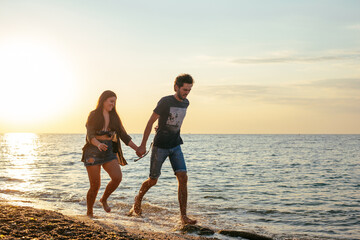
(167, 98)
(171, 100)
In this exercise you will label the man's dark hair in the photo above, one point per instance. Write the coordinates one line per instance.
(183, 78)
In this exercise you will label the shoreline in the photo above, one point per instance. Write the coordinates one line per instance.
(33, 223)
(25, 222)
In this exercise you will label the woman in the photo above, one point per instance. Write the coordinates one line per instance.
(102, 148)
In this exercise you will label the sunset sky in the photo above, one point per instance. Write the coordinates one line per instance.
(260, 67)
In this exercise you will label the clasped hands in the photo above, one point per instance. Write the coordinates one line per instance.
(141, 150)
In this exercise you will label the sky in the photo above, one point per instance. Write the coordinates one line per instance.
(260, 67)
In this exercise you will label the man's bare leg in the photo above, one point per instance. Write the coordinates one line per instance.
(182, 196)
(136, 208)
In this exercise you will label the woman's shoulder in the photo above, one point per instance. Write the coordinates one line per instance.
(92, 113)
(91, 116)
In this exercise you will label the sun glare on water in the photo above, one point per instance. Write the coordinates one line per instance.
(36, 82)
(20, 150)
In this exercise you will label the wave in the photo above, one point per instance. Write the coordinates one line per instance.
(11, 191)
(269, 212)
(9, 179)
(70, 154)
(215, 197)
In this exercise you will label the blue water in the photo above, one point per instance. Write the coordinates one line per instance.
(282, 186)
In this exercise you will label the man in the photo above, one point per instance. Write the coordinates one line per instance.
(170, 112)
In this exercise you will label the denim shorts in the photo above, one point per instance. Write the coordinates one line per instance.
(158, 157)
(100, 157)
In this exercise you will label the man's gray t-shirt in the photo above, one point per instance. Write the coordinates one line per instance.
(171, 115)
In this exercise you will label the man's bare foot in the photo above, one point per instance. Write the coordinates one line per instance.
(136, 208)
(133, 212)
(185, 220)
(105, 205)
(90, 214)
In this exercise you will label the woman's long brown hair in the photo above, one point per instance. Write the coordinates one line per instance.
(97, 120)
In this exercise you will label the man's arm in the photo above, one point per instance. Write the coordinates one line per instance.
(142, 148)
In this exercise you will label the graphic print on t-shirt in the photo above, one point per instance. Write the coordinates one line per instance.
(175, 118)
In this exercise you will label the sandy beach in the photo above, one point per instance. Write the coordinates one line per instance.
(18, 222)
(22, 222)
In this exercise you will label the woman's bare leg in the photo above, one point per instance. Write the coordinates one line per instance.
(94, 179)
(114, 171)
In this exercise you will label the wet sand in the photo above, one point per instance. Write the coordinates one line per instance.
(18, 222)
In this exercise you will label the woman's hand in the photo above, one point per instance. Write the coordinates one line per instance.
(102, 147)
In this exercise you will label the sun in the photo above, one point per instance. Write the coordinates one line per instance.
(36, 82)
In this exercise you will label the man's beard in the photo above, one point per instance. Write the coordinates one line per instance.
(180, 97)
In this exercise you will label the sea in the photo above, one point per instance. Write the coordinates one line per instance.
(280, 186)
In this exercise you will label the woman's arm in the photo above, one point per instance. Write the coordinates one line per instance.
(133, 145)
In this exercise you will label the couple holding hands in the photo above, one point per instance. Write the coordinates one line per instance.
(103, 148)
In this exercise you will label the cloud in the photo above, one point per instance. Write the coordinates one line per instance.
(350, 84)
(354, 27)
(344, 85)
(334, 94)
(298, 59)
(229, 91)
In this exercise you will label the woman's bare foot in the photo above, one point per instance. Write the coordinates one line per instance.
(105, 205)
(185, 220)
